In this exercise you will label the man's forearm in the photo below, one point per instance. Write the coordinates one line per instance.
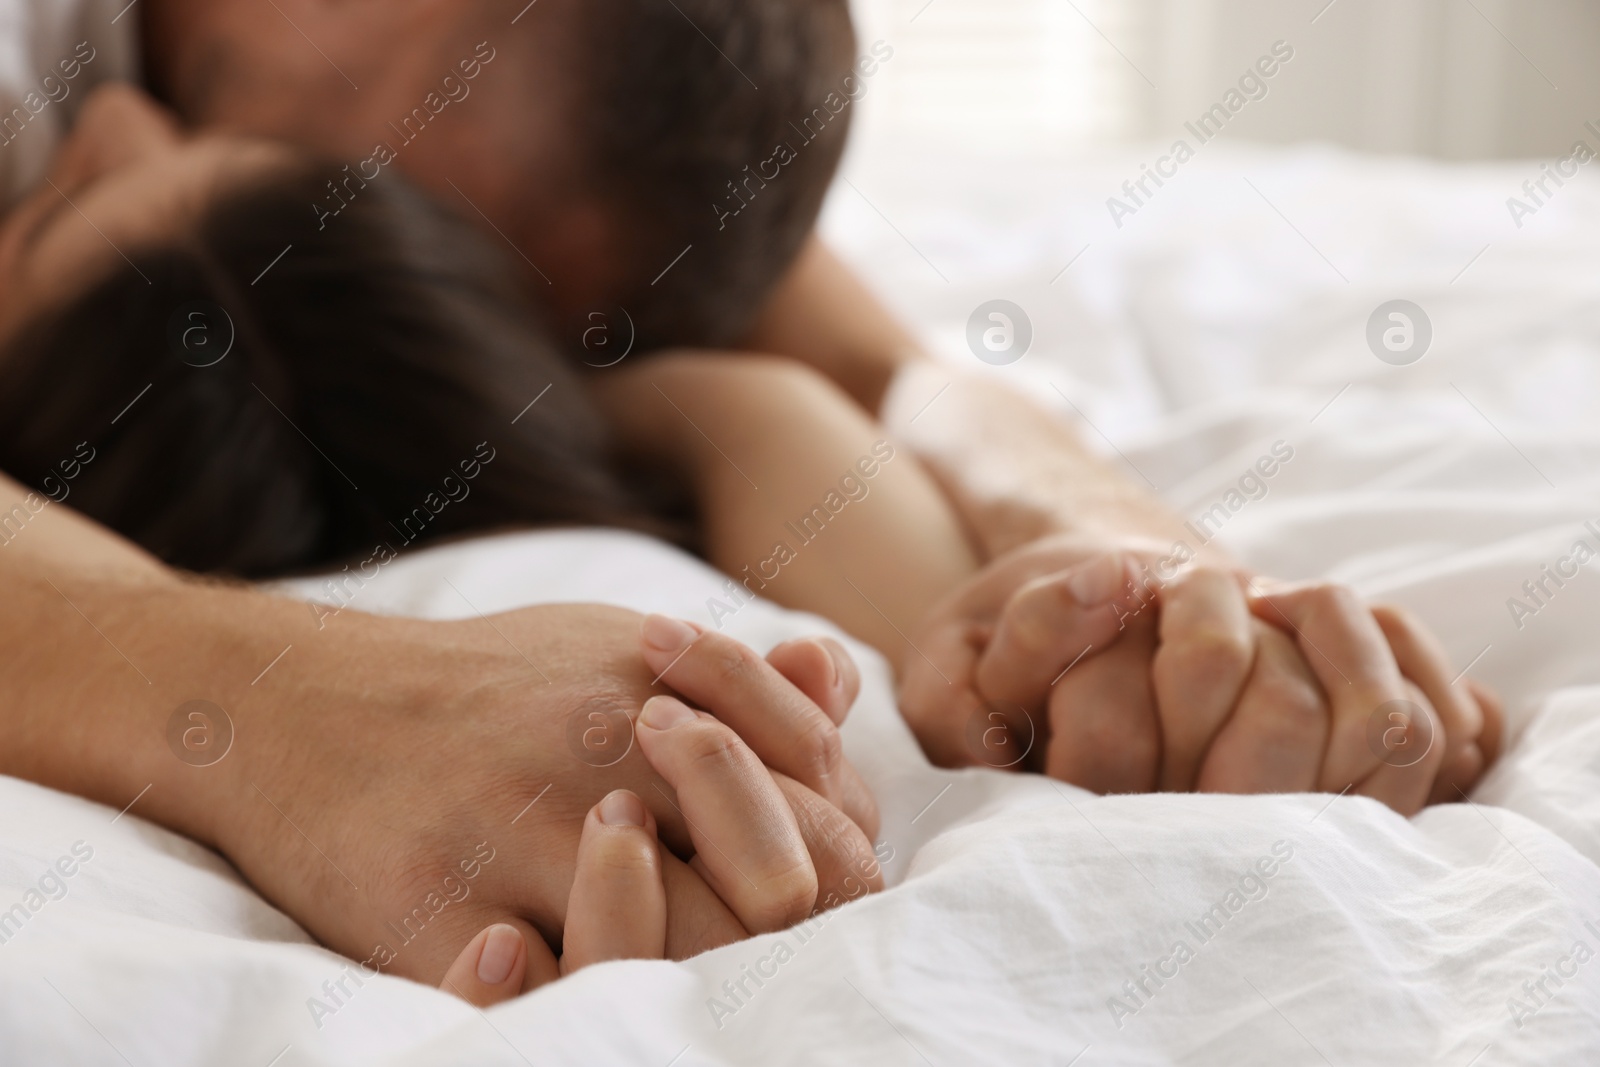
(101, 644)
(1016, 471)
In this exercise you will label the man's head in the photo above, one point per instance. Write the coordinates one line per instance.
(662, 156)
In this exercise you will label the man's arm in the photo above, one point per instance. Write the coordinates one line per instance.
(374, 766)
(99, 644)
(1014, 470)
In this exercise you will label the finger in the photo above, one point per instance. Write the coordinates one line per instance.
(1273, 742)
(494, 965)
(1207, 648)
(1424, 662)
(821, 669)
(726, 677)
(1494, 720)
(618, 906)
(1050, 624)
(1404, 779)
(697, 919)
(846, 866)
(938, 703)
(1104, 734)
(858, 803)
(1343, 644)
(747, 843)
(1481, 755)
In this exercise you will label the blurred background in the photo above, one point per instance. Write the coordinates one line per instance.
(1450, 79)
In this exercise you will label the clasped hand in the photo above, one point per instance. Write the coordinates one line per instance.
(1104, 665)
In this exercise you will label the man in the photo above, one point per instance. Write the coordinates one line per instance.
(419, 76)
(597, 137)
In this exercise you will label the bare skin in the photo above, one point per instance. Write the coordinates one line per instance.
(451, 727)
(126, 178)
(497, 154)
(1037, 503)
(1113, 667)
(1051, 484)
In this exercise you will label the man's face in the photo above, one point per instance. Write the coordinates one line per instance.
(449, 92)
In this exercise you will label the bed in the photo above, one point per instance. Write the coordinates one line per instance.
(1029, 922)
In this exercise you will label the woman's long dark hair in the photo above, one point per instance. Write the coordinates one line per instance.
(381, 386)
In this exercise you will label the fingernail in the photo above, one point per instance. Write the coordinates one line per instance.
(663, 713)
(499, 954)
(1099, 581)
(667, 634)
(622, 808)
(836, 662)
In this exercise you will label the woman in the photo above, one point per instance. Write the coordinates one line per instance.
(187, 357)
(308, 392)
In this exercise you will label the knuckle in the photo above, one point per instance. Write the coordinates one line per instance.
(1208, 656)
(623, 852)
(1290, 707)
(1132, 743)
(1202, 577)
(1026, 626)
(730, 662)
(714, 750)
(1332, 600)
(788, 896)
(860, 876)
(1394, 617)
(821, 749)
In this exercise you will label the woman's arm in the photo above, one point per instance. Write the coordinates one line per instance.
(804, 499)
(1019, 475)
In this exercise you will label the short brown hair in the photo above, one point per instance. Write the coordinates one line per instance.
(687, 101)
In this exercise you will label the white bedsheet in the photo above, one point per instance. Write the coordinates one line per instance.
(1205, 330)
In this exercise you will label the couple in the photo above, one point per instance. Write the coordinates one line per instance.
(386, 360)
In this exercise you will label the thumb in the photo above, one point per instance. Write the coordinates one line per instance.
(493, 966)
(1053, 622)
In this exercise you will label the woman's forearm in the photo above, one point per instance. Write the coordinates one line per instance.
(824, 316)
(804, 499)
